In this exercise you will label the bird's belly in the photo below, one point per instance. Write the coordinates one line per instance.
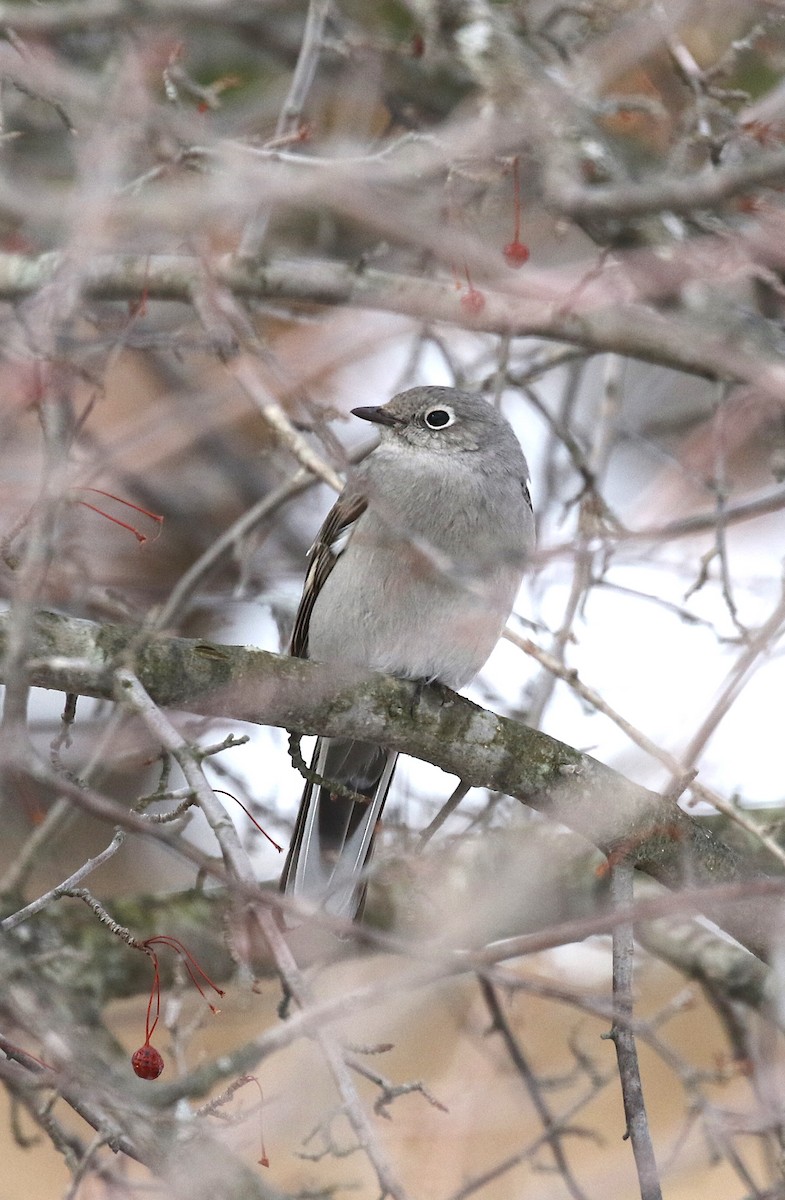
(410, 621)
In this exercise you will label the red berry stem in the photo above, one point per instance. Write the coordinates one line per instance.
(250, 816)
(263, 1160)
(147, 1061)
(516, 183)
(140, 537)
(516, 253)
(190, 964)
(155, 997)
(473, 302)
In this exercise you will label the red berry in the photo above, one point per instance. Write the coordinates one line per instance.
(473, 301)
(147, 1062)
(516, 254)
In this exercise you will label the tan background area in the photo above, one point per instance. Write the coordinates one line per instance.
(440, 1038)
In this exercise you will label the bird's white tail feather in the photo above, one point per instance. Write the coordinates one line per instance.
(330, 874)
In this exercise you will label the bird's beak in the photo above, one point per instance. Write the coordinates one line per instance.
(379, 416)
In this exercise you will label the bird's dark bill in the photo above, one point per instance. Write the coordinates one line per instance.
(379, 416)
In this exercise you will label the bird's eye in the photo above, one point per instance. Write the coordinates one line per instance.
(439, 418)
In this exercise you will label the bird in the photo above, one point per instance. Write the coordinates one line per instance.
(413, 573)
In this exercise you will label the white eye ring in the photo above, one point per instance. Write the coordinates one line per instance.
(441, 416)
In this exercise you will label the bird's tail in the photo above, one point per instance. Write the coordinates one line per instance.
(333, 836)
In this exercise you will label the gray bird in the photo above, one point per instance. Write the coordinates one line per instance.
(414, 573)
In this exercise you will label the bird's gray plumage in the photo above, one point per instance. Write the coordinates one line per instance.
(413, 573)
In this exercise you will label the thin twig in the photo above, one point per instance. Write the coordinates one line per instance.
(624, 1040)
(245, 371)
(446, 810)
(554, 1130)
(23, 914)
(291, 112)
(737, 677)
(190, 580)
(296, 986)
(131, 693)
(682, 776)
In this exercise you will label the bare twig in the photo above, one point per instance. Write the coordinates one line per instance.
(682, 776)
(35, 906)
(706, 189)
(632, 329)
(291, 111)
(190, 580)
(446, 810)
(624, 1040)
(554, 1131)
(295, 984)
(131, 693)
(758, 644)
(246, 373)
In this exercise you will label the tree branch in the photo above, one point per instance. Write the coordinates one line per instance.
(623, 1038)
(677, 194)
(432, 724)
(628, 328)
(75, 16)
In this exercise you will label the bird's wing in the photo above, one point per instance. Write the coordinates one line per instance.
(331, 541)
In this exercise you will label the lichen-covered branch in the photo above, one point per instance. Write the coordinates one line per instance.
(433, 724)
